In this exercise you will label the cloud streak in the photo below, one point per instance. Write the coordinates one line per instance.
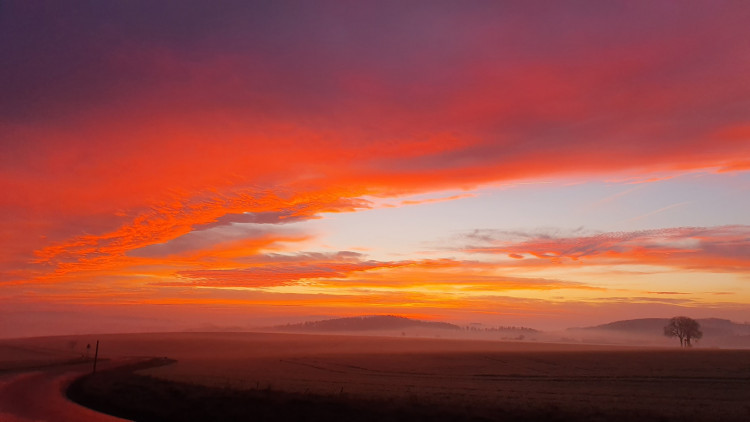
(725, 248)
(270, 270)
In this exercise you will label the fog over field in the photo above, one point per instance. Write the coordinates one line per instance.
(472, 378)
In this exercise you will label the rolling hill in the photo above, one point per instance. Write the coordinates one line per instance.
(716, 332)
(709, 326)
(366, 323)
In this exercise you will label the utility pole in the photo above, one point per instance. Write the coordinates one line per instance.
(96, 355)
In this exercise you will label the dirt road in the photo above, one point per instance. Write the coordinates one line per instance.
(39, 395)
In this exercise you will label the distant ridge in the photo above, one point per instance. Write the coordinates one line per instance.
(366, 323)
(711, 327)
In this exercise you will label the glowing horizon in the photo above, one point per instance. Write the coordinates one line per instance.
(244, 164)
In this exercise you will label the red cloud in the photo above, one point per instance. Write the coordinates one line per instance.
(135, 132)
(349, 270)
(286, 273)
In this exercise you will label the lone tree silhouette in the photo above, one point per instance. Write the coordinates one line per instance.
(685, 328)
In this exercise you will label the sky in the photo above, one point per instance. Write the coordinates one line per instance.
(183, 164)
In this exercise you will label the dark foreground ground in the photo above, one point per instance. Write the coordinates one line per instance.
(280, 377)
(124, 393)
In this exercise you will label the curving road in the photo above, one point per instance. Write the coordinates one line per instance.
(39, 395)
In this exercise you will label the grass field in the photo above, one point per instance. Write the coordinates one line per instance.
(458, 379)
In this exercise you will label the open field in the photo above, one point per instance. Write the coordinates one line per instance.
(467, 378)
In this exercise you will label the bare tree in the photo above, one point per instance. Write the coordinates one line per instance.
(686, 329)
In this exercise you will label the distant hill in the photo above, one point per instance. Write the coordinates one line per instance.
(366, 323)
(711, 327)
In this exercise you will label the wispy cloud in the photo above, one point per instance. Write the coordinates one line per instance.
(272, 275)
(725, 248)
(669, 293)
(657, 211)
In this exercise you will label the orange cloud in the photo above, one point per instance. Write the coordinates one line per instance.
(344, 271)
(272, 275)
(173, 221)
(130, 140)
